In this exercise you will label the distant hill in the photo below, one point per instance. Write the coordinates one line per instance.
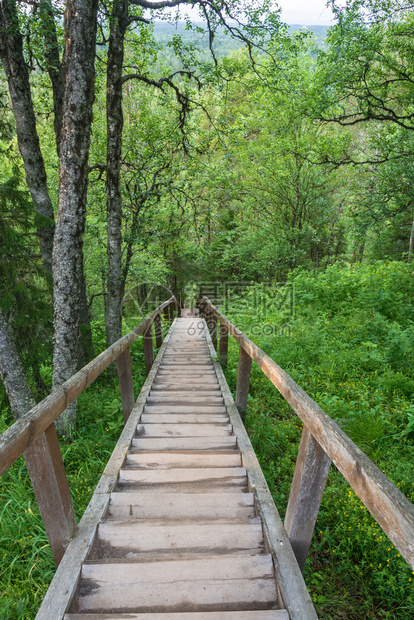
(319, 32)
(223, 43)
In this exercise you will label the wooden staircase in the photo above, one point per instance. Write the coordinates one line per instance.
(182, 524)
(179, 536)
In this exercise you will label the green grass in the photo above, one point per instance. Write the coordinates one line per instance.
(26, 562)
(350, 347)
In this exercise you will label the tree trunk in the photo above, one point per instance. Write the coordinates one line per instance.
(53, 64)
(115, 121)
(12, 58)
(411, 244)
(54, 68)
(78, 93)
(14, 378)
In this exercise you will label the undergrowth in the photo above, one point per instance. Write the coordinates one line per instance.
(349, 344)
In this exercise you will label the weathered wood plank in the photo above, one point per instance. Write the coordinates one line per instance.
(311, 472)
(184, 430)
(158, 330)
(184, 418)
(184, 443)
(389, 507)
(243, 380)
(47, 474)
(275, 614)
(190, 585)
(148, 349)
(138, 476)
(165, 460)
(177, 506)
(223, 344)
(198, 409)
(189, 399)
(126, 383)
(151, 540)
(183, 480)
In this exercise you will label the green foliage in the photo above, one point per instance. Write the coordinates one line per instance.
(349, 345)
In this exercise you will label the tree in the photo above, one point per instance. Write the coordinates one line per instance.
(367, 73)
(15, 68)
(78, 93)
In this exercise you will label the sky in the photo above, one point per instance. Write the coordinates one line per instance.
(305, 12)
(302, 12)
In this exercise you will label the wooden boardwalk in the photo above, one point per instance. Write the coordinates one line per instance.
(177, 532)
(182, 524)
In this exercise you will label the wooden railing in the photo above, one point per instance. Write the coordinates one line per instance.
(34, 435)
(322, 441)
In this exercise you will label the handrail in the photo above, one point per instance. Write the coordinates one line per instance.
(18, 437)
(34, 434)
(389, 507)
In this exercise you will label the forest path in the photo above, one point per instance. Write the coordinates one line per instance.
(179, 536)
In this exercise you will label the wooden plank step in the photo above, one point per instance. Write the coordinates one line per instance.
(187, 379)
(183, 430)
(209, 584)
(184, 418)
(150, 540)
(194, 460)
(181, 506)
(220, 410)
(268, 614)
(178, 391)
(184, 443)
(188, 400)
(179, 383)
(178, 363)
(184, 480)
(178, 475)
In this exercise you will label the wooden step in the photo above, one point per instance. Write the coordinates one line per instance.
(184, 418)
(184, 443)
(190, 399)
(268, 614)
(177, 390)
(181, 506)
(184, 480)
(183, 430)
(165, 460)
(219, 583)
(197, 409)
(186, 379)
(150, 540)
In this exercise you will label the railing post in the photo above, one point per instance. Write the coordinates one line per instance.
(171, 311)
(243, 380)
(212, 326)
(50, 484)
(158, 330)
(223, 344)
(126, 384)
(148, 348)
(311, 472)
(166, 312)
